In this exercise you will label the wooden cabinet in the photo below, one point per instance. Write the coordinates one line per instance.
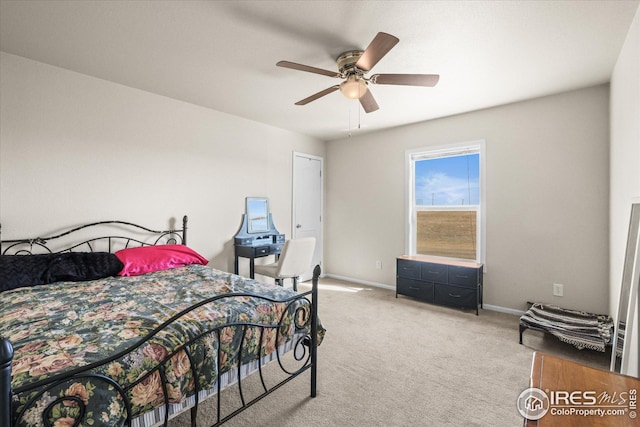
(616, 395)
(451, 283)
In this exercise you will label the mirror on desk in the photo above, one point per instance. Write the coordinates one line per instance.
(257, 212)
(624, 327)
(257, 236)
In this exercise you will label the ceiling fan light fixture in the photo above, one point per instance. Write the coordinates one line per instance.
(353, 87)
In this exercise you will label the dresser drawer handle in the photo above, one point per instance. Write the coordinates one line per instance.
(414, 288)
(455, 296)
(461, 276)
(433, 272)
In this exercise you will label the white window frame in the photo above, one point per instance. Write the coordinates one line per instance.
(411, 156)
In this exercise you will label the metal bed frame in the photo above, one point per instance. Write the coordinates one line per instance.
(304, 348)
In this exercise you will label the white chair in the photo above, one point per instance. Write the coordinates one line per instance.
(295, 259)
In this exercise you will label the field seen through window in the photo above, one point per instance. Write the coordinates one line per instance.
(447, 234)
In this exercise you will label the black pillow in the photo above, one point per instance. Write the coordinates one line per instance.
(18, 271)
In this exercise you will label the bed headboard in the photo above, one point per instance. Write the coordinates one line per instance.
(96, 236)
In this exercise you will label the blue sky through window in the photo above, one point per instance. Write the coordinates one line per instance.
(448, 181)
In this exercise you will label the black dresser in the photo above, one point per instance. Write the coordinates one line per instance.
(451, 283)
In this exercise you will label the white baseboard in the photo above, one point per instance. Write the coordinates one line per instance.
(361, 282)
(393, 288)
(503, 309)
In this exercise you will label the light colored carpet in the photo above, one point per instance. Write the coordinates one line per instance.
(400, 362)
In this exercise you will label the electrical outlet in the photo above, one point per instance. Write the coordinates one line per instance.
(558, 290)
(379, 265)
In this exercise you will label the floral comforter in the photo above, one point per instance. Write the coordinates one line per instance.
(58, 328)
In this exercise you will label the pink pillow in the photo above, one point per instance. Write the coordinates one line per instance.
(145, 259)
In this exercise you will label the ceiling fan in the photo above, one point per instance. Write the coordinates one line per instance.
(353, 65)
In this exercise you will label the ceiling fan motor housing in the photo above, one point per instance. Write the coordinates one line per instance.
(347, 62)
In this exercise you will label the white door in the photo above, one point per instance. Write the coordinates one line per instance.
(307, 203)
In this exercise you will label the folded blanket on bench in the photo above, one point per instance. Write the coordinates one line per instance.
(579, 328)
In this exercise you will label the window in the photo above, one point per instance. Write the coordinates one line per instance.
(444, 203)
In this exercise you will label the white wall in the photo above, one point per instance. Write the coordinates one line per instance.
(625, 161)
(547, 178)
(75, 149)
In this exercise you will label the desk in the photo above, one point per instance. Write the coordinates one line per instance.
(573, 390)
(253, 252)
(254, 245)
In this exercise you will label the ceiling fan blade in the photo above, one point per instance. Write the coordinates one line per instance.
(307, 68)
(405, 79)
(320, 94)
(379, 47)
(368, 102)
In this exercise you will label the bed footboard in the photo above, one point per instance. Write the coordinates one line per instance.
(6, 356)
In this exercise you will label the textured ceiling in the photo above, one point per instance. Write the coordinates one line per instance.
(222, 54)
